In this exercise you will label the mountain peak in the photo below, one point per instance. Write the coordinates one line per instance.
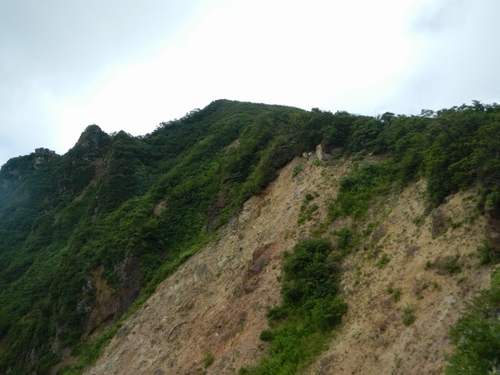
(91, 143)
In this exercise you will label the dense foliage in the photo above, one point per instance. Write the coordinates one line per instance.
(310, 309)
(131, 209)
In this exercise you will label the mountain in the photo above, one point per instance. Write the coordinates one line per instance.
(242, 235)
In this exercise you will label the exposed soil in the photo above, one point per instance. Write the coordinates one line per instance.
(215, 304)
(435, 277)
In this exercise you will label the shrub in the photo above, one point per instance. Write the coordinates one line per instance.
(359, 188)
(266, 335)
(328, 311)
(396, 293)
(452, 266)
(208, 359)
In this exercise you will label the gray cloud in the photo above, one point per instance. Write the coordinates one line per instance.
(457, 60)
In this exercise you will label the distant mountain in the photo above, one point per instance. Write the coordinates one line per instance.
(86, 237)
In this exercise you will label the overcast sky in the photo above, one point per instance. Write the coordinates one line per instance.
(129, 65)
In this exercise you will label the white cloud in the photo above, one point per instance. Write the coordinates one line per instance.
(457, 58)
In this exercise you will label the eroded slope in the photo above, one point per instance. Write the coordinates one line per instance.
(209, 314)
(432, 269)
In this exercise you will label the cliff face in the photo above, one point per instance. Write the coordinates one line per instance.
(404, 285)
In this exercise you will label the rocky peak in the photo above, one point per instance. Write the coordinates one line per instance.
(90, 145)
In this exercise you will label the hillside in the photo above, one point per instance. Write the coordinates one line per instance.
(246, 230)
(217, 301)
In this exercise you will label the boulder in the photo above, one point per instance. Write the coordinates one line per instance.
(322, 156)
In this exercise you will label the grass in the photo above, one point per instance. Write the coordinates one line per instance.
(476, 335)
(359, 189)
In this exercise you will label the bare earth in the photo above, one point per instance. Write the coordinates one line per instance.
(216, 302)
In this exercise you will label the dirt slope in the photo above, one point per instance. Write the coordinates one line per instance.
(207, 317)
(435, 276)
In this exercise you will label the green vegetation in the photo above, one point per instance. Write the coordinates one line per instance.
(452, 266)
(396, 293)
(408, 316)
(382, 262)
(297, 169)
(130, 210)
(133, 208)
(346, 239)
(477, 335)
(436, 285)
(486, 255)
(358, 190)
(307, 209)
(310, 309)
(208, 359)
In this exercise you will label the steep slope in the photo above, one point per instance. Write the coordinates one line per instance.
(207, 317)
(217, 301)
(432, 269)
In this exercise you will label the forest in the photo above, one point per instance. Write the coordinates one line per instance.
(132, 209)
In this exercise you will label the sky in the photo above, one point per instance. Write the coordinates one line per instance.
(130, 65)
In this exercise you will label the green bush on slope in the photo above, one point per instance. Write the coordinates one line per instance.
(476, 335)
(310, 309)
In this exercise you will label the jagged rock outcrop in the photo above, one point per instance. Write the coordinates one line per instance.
(111, 302)
(322, 156)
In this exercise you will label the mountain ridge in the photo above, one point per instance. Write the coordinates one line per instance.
(86, 237)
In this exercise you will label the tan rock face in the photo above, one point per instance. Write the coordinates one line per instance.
(215, 304)
(110, 304)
